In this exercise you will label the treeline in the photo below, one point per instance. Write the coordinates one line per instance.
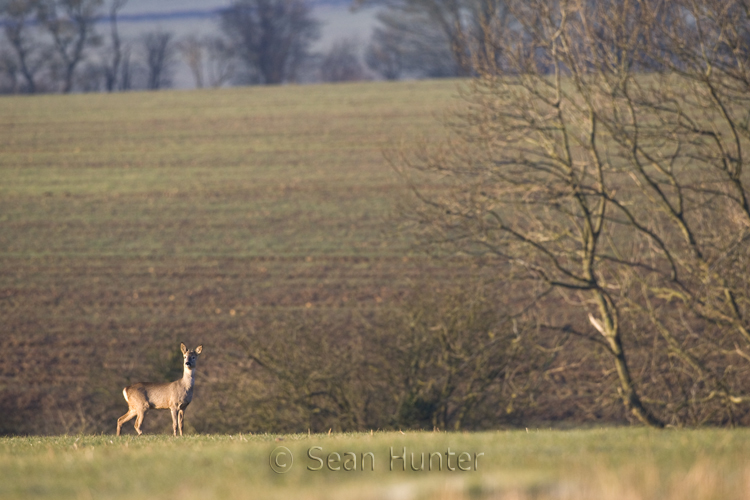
(77, 46)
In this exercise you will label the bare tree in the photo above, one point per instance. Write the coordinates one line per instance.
(454, 352)
(434, 37)
(112, 68)
(221, 61)
(28, 55)
(387, 53)
(191, 49)
(126, 71)
(415, 44)
(210, 59)
(341, 63)
(91, 77)
(8, 73)
(272, 37)
(159, 59)
(609, 169)
(71, 24)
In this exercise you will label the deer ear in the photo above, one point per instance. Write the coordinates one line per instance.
(183, 348)
(199, 349)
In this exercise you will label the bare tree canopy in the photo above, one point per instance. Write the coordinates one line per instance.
(341, 63)
(211, 60)
(387, 54)
(432, 38)
(52, 46)
(71, 25)
(112, 67)
(272, 37)
(28, 55)
(191, 49)
(407, 45)
(159, 59)
(610, 172)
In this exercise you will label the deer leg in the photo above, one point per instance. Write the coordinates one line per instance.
(128, 416)
(139, 421)
(174, 420)
(180, 419)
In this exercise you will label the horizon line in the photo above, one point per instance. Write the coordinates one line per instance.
(181, 14)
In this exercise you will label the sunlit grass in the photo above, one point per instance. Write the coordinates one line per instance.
(543, 464)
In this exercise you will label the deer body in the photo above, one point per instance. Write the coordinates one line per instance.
(174, 396)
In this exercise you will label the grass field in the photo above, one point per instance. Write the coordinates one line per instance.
(131, 222)
(599, 464)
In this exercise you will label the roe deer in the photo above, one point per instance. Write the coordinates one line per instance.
(174, 396)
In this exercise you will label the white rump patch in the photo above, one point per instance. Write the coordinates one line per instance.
(125, 394)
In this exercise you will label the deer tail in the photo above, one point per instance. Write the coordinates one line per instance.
(125, 394)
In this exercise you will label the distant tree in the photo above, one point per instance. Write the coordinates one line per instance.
(26, 56)
(410, 46)
(191, 49)
(211, 60)
(159, 59)
(8, 73)
(221, 61)
(386, 54)
(112, 67)
(433, 38)
(71, 24)
(127, 70)
(91, 77)
(341, 63)
(271, 37)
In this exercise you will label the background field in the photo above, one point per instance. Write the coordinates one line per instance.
(538, 464)
(132, 222)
